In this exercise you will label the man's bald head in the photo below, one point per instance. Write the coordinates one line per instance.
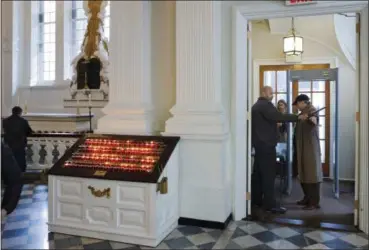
(267, 92)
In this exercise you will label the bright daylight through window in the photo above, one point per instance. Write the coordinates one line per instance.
(56, 44)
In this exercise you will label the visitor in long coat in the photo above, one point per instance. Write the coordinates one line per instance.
(308, 154)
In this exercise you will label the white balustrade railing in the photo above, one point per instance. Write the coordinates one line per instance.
(43, 152)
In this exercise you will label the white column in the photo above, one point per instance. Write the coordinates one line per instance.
(7, 59)
(198, 85)
(130, 108)
(198, 115)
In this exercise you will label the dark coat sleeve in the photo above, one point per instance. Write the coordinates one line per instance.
(271, 113)
(28, 128)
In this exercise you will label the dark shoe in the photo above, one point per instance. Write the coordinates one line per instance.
(277, 210)
(311, 207)
(303, 202)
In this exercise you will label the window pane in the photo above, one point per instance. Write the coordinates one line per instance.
(52, 66)
(318, 85)
(80, 14)
(322, 150)
(49, 17)
(318, 100)
(282, 97)
(304, 86)
(269, 79)
(281, 81)
(322, 127)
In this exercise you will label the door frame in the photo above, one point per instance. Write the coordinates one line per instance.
(333, 62)
(242, 12)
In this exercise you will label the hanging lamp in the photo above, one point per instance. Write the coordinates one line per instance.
(293, 44)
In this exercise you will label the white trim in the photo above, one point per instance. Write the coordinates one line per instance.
(265, 10)
(332, 61)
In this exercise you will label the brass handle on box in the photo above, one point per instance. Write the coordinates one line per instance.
(162, 186)
(99, 193)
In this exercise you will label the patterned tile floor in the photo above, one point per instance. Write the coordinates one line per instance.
(26, 228)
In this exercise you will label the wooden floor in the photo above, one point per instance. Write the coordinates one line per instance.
(338, 211)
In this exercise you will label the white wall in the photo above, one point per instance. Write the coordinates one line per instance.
(267, 46)
(345, 29)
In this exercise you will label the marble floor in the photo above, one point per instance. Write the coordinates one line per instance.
(26, 228)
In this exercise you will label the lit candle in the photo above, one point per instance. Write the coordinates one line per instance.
(89, 100)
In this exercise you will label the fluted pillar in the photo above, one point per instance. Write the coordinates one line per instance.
(129, 110)
(199, 116)
(198, 62)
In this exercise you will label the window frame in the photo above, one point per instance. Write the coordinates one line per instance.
(63, 45)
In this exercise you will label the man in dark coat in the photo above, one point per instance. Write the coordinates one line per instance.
(264, 119)
(11, 175)
(16, 130)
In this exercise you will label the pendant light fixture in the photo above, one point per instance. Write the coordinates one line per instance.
(293, 44)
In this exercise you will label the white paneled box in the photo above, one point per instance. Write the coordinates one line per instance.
(130, 212)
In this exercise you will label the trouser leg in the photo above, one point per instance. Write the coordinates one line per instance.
(6, 196)
(267, 164)
(20, 157)
(314, 194)
(14, 192)
(305, 191)
(256, 188)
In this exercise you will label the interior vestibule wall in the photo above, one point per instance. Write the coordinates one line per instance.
(163, 61)
(268, 46)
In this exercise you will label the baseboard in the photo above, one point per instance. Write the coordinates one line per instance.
(205, 223)
(341, 180)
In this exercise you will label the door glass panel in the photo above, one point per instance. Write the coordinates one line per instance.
(318, 100)
(282, 97)
(322, 127)
(269, 79)
(304, 86)
(322, 150)
(281, 81)
(318, 85)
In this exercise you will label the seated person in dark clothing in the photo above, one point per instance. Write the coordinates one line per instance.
(11, 175)
(16, 129)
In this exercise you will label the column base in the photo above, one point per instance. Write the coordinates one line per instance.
(205, 182)
(132, 121)
(198, 119)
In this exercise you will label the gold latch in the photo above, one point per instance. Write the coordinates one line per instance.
(100, 173)
(162, 186)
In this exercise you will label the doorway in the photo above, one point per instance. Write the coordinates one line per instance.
(241, 14)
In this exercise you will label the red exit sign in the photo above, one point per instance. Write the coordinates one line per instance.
(299, 2)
